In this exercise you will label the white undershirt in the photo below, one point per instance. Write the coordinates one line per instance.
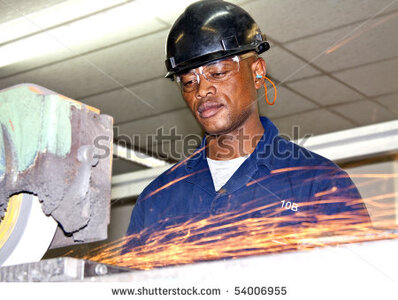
(222, 170)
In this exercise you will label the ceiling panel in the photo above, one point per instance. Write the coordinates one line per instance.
(312, 123)
(74, 78)
(325, 90)
(390, 101)
(113, 67)
(286, 20)
(127, 104)
(365, 112)
(134, 61)
(10, 10)
(171, 10)
(287, 103)
(351, 46)
(373, 79)
(284, 66)
(143, 132)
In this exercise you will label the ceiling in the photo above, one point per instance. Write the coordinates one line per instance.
(335, 63)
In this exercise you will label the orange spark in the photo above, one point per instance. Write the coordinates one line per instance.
(196, 241)
(331, 191)
(233, 234)
(291, 169)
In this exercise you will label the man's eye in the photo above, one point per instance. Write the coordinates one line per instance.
(188, 83)
(188, 80)
(218, 75)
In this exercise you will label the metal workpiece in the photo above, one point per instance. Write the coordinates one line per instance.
(61, 151)
(57, 269)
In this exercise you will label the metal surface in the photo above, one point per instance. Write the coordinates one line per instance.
(57, 269)
(60, 150)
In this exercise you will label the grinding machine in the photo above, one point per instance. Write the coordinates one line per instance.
(55, 173)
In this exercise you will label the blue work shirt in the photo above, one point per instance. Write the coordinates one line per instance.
(279, 178)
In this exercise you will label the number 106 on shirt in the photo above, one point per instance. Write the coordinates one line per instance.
(289, 205)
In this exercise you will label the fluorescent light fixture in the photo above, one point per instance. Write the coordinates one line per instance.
(52, 16)
(138, 157)
(27, 48)
(81, 32)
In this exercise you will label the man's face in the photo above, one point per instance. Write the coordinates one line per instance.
(221, 106)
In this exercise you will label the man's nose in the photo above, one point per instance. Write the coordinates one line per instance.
(205, 87)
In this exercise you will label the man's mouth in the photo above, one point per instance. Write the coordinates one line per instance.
(209, 109)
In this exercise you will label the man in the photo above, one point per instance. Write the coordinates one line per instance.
(243, 169)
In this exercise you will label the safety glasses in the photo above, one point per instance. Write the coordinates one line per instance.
(217, 71)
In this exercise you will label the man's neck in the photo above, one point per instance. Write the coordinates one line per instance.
(239, 142)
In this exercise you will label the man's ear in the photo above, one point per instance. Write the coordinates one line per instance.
(259, 68)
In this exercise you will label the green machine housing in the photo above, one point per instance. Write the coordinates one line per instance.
(61, 151)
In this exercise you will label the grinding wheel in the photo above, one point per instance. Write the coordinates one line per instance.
(25, 231)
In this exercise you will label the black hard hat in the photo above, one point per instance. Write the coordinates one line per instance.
(209, 30)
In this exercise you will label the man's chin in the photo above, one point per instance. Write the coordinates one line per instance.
(216, 130)
(215, 125)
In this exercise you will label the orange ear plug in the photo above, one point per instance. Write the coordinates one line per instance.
(265, 87)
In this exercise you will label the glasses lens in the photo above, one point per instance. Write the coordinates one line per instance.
(216, 71)
(221, 70)
(188, 81)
